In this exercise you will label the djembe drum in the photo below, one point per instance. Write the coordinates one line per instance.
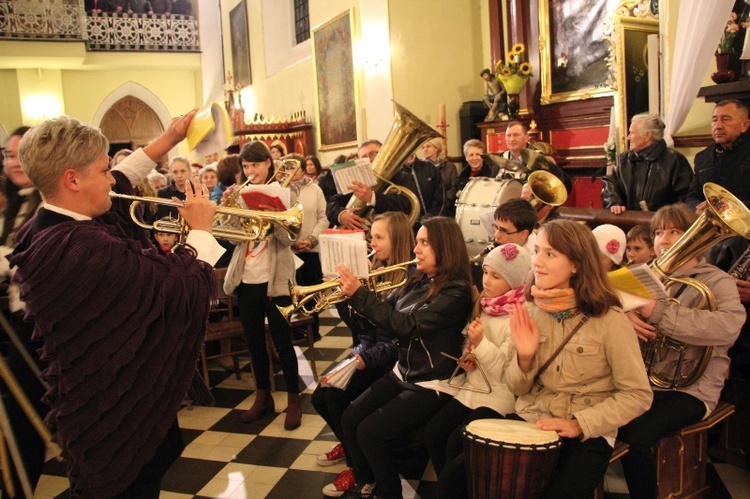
(509, 459)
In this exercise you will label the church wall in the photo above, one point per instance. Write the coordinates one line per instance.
(438, 48)
(10, 103)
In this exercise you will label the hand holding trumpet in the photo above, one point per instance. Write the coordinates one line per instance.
(198, 210)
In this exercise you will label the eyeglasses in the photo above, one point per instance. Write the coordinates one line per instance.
(505, 231)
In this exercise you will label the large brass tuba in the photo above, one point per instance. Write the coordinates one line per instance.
(406, 134)
(309, 300)
(725, 216)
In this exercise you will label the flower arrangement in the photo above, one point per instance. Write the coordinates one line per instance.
(514, 74)
(732, 28)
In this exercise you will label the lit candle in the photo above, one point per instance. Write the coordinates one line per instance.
(441, 113)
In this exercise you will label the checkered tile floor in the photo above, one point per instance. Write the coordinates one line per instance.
(226, 458)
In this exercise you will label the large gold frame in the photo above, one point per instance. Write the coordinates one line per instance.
(545, 61)
(623, 24)
(355, 91)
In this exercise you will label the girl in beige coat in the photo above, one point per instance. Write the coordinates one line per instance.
(597, 382)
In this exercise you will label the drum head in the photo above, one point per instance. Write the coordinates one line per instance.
(520, 433)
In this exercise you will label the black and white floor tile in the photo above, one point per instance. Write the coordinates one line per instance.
(225, 458)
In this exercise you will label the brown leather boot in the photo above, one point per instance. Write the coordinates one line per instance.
(263, 405)
(293, 412)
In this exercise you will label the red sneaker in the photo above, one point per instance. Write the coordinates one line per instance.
(343, 482)
(334, 456)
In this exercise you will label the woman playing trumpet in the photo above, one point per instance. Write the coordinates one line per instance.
(260, 271)
(427, 319)
(392, 243)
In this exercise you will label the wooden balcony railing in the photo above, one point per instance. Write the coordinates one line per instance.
(60, 20)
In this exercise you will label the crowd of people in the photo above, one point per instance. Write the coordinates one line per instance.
(540, 337)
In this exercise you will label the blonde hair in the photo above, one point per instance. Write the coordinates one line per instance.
(59, 144)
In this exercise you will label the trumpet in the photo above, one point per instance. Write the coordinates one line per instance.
(253, 225)
(309, 300)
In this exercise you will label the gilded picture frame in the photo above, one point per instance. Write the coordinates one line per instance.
(240, 44)
(631, 63)
(576, 70)
(335, 84)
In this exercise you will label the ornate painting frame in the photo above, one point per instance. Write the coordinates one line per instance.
(547, 48)
(239, 41)
(336, 93)
(631, 41)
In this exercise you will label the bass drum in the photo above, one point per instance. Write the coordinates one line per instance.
(481, 195)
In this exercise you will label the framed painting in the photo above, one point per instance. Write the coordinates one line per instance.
(573, 50)
(335, 86)
(238, 32)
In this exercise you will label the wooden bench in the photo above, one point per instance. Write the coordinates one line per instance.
(682, 457)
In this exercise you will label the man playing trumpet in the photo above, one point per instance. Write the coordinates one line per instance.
(122, 326)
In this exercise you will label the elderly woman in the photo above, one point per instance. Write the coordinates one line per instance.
(473, 150)
(650, 174)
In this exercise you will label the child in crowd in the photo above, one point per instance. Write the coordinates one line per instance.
(611, 241)
(165, 241)
(640, 245)
(505, 271)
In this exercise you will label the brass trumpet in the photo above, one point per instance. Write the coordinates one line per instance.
(253, 225)
(309, 300)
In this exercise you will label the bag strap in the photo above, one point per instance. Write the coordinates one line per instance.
(584, 320)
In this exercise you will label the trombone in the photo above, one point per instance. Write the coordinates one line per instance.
(309, 300)
(253, 225)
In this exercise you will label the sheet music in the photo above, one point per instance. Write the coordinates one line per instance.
(272, 189)
(346, 173)
(351, 250)
(638, 280)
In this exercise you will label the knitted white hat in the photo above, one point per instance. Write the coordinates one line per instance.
(511, 261)
(611, 241)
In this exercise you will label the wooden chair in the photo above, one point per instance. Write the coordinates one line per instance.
(229, 331)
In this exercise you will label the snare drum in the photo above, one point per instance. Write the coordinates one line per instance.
(481, 195)
(509, 459)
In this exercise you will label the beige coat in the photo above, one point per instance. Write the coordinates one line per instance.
(598, 377)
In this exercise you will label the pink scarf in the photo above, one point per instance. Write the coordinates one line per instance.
(501, 305)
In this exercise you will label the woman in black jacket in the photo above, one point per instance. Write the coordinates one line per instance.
(427, 320)
(392, 239)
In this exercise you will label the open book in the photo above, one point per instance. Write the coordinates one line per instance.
(349, 249)
(345, 173)
(211, 130)
(637, 285)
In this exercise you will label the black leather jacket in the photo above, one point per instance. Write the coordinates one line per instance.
(660, 178)
(730, 168)
(423, 328)
(375, 347)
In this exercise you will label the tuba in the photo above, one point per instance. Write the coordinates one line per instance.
(309, 300)
(725, 216)
(406, 134)
(546, 189)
